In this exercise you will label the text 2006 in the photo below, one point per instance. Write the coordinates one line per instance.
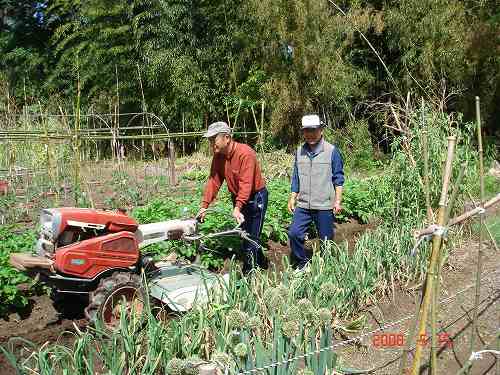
(388, 340)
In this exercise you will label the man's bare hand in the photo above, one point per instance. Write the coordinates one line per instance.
(238, 215)
(337, 207)
(291, 203)
(201, 214)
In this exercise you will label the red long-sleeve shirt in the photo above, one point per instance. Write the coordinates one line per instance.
(241, 171)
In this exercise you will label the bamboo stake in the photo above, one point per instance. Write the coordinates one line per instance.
(117, 119)
(47, 148)
(426, 168)
(237, 115)
(436, 246)
(76, 139)
(183, 139)
(227, 115)
(490, 235)
(481, 221)
(411, 334)
(437, 281)
(143, 107)
(475, 211)
(498, 347)
(459, 219)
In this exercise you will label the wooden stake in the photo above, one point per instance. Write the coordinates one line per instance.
(425, 148)
(76, 140)
(436, 247)
(481, 220)
(183, 138)
(437, 282)
(173, 178)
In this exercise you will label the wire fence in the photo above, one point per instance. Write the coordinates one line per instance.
(359, 338)
(65, 156)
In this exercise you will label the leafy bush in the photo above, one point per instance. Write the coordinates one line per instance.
(12, 242)
(363, 199)
(196, 175)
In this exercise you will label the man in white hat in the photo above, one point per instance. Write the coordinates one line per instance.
(316, 191)
(236, 163)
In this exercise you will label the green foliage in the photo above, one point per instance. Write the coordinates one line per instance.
(195, 175)
(355, 144)
(363, 200)
(431, 39)
(94, 45)
(11, 241)
(200, 59)
(231, 330)
(303, 65)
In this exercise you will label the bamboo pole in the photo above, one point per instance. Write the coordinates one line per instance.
(76, 140)
(47, 148)
(408, 341)
(143, 108)
(237, 115)
(115, 118)
(488, 232)
(475, 211)
(437, 283)
(425, 148)
(86, 136)
(173, 178)
(430, 219)
(459, 219)
(481, 221)
(436, 246)
(227, 115)
(183, 138)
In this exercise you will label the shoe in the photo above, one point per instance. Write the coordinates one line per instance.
(301, 269)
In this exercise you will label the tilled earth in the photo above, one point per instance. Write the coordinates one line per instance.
(41, 323)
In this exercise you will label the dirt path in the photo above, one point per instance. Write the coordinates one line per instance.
(458, 293)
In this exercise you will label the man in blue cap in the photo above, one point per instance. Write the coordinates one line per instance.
(316, 191)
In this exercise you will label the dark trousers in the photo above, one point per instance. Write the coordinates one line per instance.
(302, 218)
(254, 212)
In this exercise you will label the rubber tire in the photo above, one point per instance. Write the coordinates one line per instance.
(108, 287)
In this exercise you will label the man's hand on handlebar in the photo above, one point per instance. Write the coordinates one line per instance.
(200, 216)
(238, 216)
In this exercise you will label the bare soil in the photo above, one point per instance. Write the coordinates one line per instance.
(41, 323)
(457, 296)
(454, 318)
